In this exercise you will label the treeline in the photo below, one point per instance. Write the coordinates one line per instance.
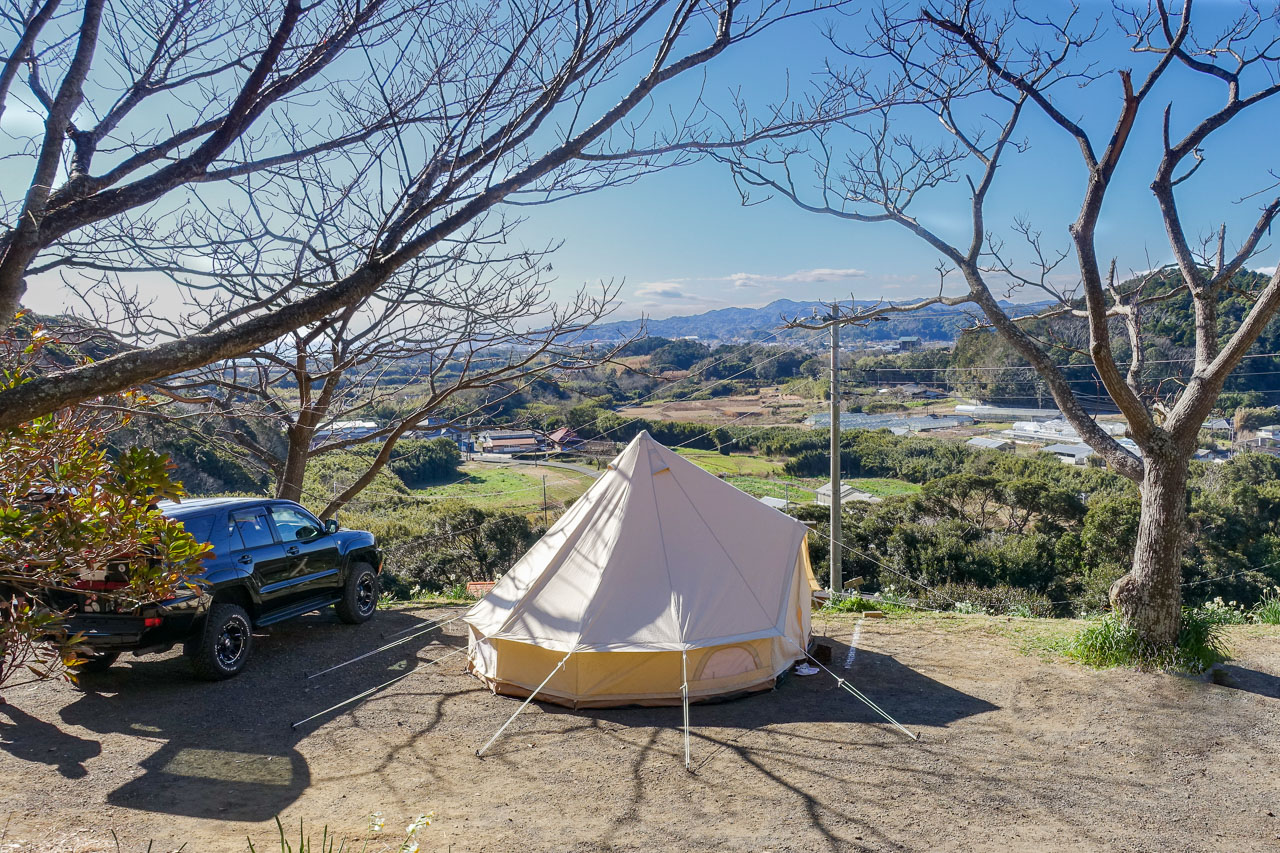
(984, 366)
(990, 519)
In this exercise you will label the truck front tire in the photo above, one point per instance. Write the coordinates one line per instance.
(359, 595)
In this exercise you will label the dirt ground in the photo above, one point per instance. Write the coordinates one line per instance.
(1015, 753)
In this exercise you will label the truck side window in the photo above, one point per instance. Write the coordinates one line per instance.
(294, 525)
(200, 527)
(252, 526)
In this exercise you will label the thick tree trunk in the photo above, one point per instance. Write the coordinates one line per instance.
(1149, 597)
(295, 467)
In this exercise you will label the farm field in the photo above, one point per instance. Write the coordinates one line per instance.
(1018, 751)
(768, 406)
(734, 464)
(490, 486)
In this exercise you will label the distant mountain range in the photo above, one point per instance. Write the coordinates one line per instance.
(936, 323)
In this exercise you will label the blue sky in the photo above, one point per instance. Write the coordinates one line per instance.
(683, 243)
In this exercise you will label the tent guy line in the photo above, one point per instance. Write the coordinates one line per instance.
(387, 646)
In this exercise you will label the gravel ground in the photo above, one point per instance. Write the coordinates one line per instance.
(1015, 753)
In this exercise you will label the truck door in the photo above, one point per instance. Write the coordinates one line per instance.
(255, 551)
(315, 551)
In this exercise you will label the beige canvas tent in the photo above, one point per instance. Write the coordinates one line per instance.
(661, 584)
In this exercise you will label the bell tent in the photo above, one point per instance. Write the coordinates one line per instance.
(661, 585)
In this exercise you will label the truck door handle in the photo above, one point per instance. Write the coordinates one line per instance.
(246, 559)
(292, 550)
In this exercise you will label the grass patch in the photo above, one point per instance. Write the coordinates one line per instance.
(760, 487)
(1267, 611)
(493, 487)
(1109, 642)
(735, 464)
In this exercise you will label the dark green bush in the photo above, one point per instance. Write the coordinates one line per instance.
(1001, 600)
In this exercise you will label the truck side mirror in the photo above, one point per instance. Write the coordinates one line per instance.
(331, 526)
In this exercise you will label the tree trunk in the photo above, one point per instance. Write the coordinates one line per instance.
(295, 467)
(1149, 597)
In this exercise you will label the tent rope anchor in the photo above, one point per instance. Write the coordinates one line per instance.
(523, 705)
(840, 682)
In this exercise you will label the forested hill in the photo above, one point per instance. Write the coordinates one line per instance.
(984, 366)
(938, 323)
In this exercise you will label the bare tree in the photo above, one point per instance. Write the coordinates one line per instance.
(476, 315)
(430, 115)
(405, 354)
(990, 78)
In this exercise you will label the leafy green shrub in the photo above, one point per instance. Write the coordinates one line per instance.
(70, 513)
(436, 545)
(1110, 641)
(1000, 600)
(858, 604)
(458, 592)
(1267, 611)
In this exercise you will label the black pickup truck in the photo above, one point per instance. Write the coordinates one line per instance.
(271, 560)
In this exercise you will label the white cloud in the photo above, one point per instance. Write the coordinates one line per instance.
(664, 290)
(1265, 270)
(813, 276)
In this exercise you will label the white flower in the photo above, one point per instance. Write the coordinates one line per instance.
(376, 822)
(419, 822)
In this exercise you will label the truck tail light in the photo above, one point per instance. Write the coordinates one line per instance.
(153, 621)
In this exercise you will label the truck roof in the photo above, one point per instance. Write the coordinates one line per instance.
(177, 510)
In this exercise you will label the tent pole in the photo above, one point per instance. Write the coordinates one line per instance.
(684, 693)
(858, 693)
(523, 705)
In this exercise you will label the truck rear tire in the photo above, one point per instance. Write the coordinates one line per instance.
(223, 646)
(359, 595)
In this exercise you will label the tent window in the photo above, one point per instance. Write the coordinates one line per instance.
(727, 662)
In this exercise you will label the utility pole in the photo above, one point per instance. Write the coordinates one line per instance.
(836, 547)
(544, 500)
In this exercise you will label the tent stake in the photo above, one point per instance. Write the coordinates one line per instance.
(684, 693)
(523, 705)
(858, 693)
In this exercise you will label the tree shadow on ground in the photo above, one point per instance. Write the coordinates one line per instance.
(756, 731)
(906, 695)
(25, 737)
(226, 750)
(1249, 680)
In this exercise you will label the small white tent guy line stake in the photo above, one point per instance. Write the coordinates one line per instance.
(524, 704)
(684, 692)
(859, 694)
